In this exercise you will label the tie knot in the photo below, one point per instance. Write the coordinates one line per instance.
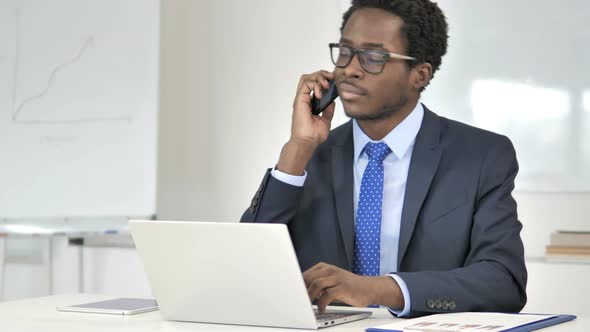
(377, 151)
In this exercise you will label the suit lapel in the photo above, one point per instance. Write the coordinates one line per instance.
(425, 159)
(343, 184)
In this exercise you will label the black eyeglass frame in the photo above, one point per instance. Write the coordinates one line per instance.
(360, 52)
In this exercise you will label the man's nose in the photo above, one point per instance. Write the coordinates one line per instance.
(354, 68)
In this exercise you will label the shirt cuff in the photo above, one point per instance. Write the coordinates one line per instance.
(294, 180)
(406, 295)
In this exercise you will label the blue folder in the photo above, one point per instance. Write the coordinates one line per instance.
(522, 328)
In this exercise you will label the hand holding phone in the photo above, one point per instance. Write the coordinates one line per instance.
(328, 96)
(307, 130)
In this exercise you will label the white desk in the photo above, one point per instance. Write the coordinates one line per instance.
(39, 314)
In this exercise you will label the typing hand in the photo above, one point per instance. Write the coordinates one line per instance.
(328, 283)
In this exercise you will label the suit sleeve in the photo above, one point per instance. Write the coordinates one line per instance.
(494, 275)
(274, 202)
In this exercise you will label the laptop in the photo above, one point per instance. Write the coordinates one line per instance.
(228, 273)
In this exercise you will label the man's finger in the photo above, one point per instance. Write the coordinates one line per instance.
(319, 285)
(327, 74)
(313, 272)
(307, 82)
(317, 91)
(307, 87)
(328, 113)
(324, 83)
(327, 297)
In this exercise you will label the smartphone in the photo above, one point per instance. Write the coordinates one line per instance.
(328, 96)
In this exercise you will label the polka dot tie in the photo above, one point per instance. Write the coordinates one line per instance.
(367, 241)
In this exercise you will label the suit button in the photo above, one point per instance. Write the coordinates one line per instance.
(430, 303)
(452, 305)
(445, 305)
(254, 203)
(437, 304)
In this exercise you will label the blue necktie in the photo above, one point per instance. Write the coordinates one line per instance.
(367, 241)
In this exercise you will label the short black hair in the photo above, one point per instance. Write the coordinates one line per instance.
(425, 29)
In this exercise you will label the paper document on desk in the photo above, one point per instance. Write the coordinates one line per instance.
(463, 322)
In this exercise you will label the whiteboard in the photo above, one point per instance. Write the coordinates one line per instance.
(520, 68)
(78, 107)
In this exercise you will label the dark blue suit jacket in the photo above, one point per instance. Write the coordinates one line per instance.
(460, 247)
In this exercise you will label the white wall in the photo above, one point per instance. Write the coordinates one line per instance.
(229, 73)
(542, 213)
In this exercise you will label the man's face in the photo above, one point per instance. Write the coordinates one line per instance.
(368, 96)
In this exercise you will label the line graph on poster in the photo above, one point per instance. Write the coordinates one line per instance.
(49, 102)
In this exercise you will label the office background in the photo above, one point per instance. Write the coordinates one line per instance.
(228, 71)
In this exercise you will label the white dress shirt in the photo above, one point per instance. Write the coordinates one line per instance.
(396, 166)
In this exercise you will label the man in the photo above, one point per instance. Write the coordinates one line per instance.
(398, 207)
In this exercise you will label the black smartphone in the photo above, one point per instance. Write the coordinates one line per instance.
(328, 96)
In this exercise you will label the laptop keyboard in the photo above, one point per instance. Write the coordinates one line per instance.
(332, 315)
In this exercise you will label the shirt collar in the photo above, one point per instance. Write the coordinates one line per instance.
(399, 140)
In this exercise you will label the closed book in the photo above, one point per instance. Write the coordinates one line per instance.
(570, 239)
(563, 250)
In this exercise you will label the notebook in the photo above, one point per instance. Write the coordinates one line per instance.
(475, 322)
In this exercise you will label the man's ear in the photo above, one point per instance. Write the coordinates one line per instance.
(423, 75)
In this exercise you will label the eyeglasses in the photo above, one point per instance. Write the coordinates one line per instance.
(372, 61)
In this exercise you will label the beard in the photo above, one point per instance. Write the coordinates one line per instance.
(386, 111)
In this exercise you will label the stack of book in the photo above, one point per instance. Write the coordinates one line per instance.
(571, 244)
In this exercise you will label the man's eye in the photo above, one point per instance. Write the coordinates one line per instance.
(345, 52)
(376, 60)
(375, 57)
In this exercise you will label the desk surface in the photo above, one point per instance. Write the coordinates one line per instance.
(39, 314)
